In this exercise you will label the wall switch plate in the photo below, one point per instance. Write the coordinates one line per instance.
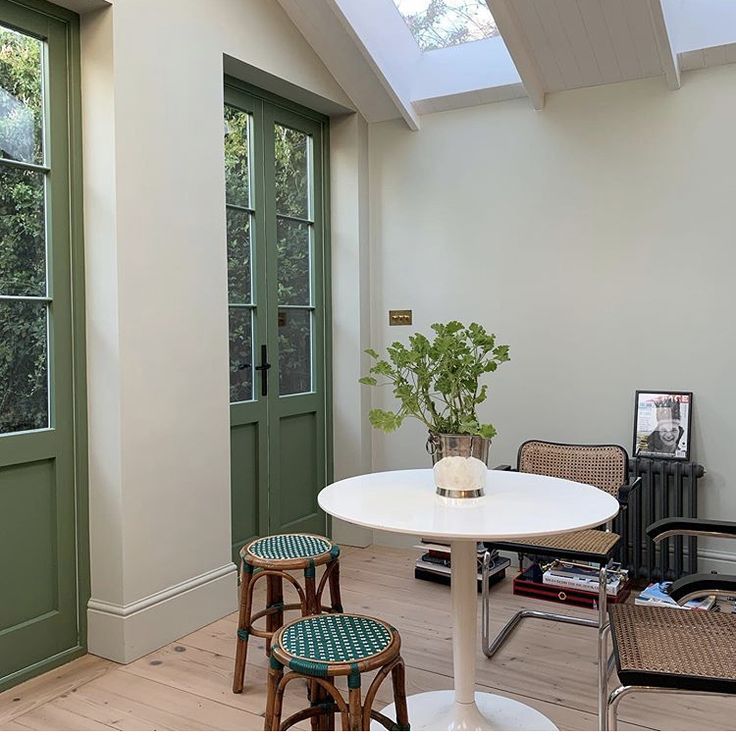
(399, 317)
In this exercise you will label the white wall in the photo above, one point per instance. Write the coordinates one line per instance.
(157, 304)
(595, 237)
(351, 307)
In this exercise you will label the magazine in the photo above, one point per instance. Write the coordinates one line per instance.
(657, 594)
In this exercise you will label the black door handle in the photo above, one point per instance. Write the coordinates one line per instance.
(263, 368)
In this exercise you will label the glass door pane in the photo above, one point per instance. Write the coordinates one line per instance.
(293, 174)
(24, 395)
(24, 295)
(21, 97)
(240, 227)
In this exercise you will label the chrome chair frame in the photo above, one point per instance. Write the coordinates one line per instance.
(658, 531)
(490, 648)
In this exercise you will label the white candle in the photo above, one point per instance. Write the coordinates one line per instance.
(460, 473)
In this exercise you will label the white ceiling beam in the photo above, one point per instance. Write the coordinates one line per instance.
(399, 97)
(510, 29)
(667, 56)
(324, 32)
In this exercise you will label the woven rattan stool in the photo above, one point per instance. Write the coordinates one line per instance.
(275, 558)
(320, 648)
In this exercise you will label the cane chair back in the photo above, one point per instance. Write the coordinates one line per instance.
(602, 466)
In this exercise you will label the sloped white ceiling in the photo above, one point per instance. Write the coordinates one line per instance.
(337, 49)
(545, 46)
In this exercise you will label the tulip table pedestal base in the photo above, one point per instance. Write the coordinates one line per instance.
(463, 709)
(438, 711)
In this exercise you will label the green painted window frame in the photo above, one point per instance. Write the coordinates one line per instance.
(29, 16)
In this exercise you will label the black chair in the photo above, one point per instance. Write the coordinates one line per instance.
(669, 649)
(603, 466)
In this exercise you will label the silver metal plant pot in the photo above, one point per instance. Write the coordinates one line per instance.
(460, 464)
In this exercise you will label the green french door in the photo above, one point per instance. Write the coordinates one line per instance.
(274, 157)
(43, 572)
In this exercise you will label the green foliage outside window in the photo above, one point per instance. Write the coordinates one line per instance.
(293, 250)
(437, 24)
(292, 151)
(23, 358)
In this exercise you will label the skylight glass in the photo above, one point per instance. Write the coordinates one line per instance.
(437, 24)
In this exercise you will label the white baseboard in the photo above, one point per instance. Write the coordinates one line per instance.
(392, 539)
(351, 535)
(124, 633)
(718, 560)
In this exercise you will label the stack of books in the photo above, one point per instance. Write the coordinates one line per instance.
(657, 594)
(435, 561)
(579, 576)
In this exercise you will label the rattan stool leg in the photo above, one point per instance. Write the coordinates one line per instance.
(246, 603)
(319, 696)
(274, 698)
(328, 719)
(355, 707)
(274, 599)
(310, 591)
(315, 695)
(398, 680)
(335, 596)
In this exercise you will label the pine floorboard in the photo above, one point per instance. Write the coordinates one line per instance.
(187, 684)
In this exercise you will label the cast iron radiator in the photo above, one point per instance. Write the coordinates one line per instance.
(668, 488)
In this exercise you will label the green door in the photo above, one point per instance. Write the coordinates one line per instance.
(274, 157)
(42, 519)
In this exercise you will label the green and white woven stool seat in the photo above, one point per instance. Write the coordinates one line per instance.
(324, 646)
(290, 548)
(336, 639)
(346, 641)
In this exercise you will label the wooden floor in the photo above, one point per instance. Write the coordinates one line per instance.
(187, 685)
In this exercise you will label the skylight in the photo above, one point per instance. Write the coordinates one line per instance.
(437, 24)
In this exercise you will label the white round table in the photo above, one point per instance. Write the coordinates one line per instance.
(515, 505)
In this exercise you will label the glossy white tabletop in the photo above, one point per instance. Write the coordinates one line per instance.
(515, 505)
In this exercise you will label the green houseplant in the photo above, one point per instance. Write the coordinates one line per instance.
(438, 382)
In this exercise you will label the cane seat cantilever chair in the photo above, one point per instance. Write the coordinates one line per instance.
(675, 650)
(603, 466)
(276, 558)
(318, 649)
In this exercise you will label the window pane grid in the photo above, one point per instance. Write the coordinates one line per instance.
(23, 165)
(294, 218)
(240, 208)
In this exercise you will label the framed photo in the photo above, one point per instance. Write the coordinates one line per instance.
(662, 421)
